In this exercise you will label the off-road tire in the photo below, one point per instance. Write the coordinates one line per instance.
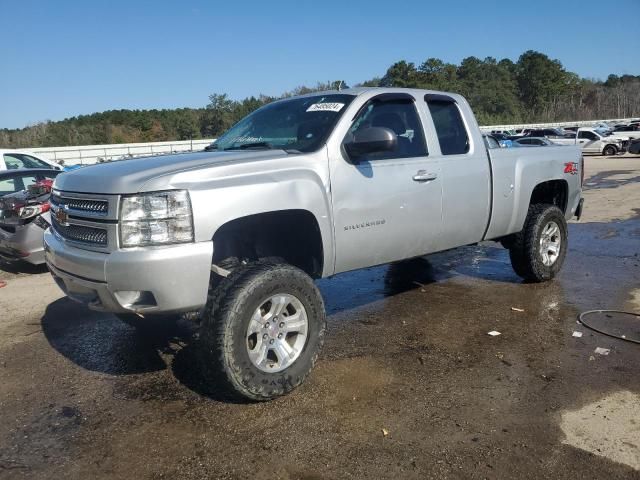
(224, 361)
(609, 151)
(524, 250)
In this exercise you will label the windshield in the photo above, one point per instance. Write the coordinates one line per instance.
(15, 161)
(299, 124)
(19, 181)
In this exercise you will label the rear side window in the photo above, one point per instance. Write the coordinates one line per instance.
(450, 128)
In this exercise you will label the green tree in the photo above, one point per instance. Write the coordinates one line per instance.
(400, 74)
(540, 80)
(218, 115)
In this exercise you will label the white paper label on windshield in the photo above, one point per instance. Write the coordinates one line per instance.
(325, 107)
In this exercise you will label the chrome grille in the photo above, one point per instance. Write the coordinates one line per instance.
(81, 233)
(81, 205)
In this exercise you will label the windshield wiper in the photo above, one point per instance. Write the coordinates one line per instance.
(246, 146)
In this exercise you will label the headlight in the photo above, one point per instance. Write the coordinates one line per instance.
(157, 218)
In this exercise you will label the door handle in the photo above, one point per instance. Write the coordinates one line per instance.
(424, 176)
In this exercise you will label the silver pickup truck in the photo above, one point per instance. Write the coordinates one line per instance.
(303, 188)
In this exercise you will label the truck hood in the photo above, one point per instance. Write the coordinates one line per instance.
(130, 176)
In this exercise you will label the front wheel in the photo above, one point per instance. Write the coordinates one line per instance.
(609, 151)
(538, 251)
(262, 331)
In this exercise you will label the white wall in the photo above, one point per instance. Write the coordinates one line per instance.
(88, 154)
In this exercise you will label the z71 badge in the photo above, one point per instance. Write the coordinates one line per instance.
(571, 167)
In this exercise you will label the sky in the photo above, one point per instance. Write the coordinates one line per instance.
(64, 58)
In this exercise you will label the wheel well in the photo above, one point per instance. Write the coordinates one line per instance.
(293, 235)
(555, 192)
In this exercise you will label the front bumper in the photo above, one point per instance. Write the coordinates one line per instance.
(149, 280)
(24, 243)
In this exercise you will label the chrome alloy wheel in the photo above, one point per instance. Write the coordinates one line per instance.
(550, 241)
(277, 333)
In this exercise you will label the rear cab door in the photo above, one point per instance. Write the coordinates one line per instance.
(465, 167)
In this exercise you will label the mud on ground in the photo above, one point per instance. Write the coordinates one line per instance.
(83, 396)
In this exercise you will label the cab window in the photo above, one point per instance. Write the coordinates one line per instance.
(399, 116)
(587, 135)
(450, 128)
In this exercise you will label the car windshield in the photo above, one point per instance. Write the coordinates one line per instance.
(300, 124)
(15, 161)
(19, 181)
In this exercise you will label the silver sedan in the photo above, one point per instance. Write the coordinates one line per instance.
(24, 213)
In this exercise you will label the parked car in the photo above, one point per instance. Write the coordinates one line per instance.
(596, 142)
(507, 133)
(14, 159)
(520, 132)
(503, 139)
(24, 213)
(632, 130)
(302, 188)
(634, 146)
(545, 132)
(534, 141)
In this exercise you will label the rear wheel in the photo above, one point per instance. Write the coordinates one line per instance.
(538, 251)
(262, 331)
(609, 151)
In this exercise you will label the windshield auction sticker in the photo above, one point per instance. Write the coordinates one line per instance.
(325, 107)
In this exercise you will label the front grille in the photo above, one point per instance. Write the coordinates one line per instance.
(81, 233)
(625, 143)
(95, 207)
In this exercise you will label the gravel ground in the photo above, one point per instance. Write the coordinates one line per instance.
(409, 385)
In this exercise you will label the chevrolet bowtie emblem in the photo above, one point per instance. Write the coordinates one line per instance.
(62, 216)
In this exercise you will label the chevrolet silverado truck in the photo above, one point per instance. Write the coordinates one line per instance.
(303, 188)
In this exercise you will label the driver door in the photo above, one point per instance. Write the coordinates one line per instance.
(589, 141)
(387, 206)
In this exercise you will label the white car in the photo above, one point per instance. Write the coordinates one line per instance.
(15, 159)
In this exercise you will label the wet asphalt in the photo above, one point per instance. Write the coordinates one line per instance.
(409, 384)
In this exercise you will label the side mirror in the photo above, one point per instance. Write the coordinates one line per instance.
(371, 140)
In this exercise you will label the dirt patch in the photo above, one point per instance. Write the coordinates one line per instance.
(609, 427)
